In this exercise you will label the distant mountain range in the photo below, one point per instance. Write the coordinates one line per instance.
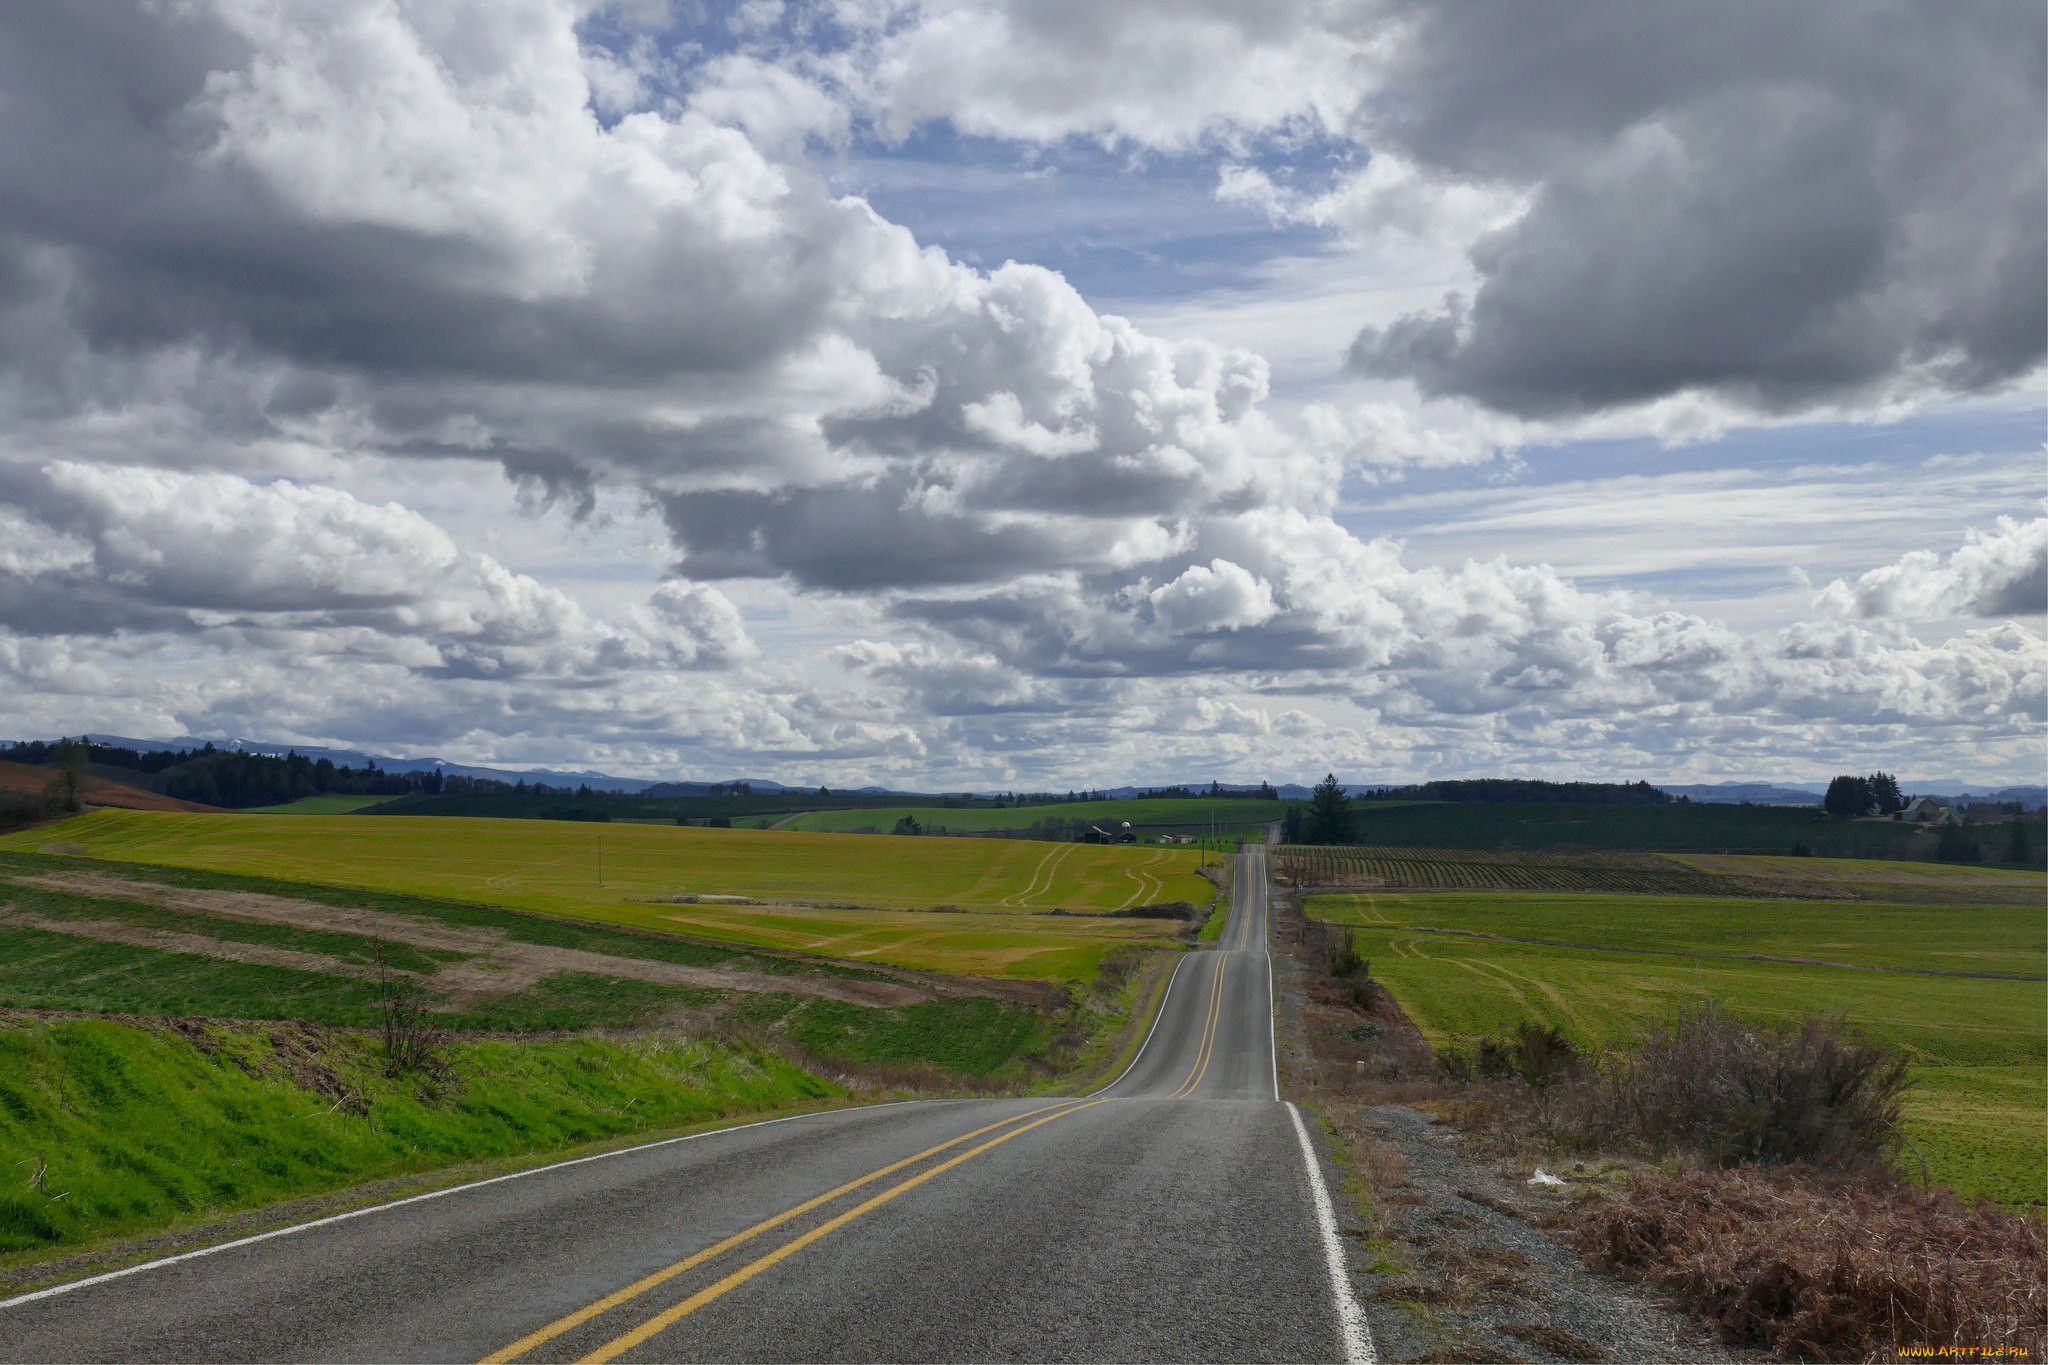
(1718, 793)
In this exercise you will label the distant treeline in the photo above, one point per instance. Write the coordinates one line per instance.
(228, 777)
(1501, 789)
(1216, 790)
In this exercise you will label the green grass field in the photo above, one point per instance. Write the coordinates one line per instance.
(2006, 939)
(1979, 1045)
(1157, 812)
(648, 869)
(331, 804)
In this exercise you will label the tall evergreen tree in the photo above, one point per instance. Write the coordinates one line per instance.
(2017, 848)
(1848, 796)
(1329, 814)
(1954, 846)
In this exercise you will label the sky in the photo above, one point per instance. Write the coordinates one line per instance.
(1032, 395)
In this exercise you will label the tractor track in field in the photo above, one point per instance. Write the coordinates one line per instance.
(499, 964)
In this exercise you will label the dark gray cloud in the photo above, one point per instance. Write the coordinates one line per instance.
(1788, 205)
(849, 538)
(329, 237)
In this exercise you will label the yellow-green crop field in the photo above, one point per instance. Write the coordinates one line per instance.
(647, 870)
(1979, 1042)
(972, 944)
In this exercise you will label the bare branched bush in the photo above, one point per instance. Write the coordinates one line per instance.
(1728, 1094)
(413, 1047)
(1705, 1089)
(1820, 1270)
(1333, 950)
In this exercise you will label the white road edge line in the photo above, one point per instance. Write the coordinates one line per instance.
(1148, 1032)
(1272, 996)
(1272, 1025)
(252, 1240)
(1350, 1317)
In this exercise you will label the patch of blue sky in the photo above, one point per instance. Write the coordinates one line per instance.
(2002, 436)
(1119, 227)
(1743, 529)
(692, 30)
(1123, 226)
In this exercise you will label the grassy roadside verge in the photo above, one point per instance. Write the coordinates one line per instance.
(1124, 1013)
(1219, 909)
(23, 1272)
(112, 1127)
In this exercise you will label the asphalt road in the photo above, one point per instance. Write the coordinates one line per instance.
(1173, 1215)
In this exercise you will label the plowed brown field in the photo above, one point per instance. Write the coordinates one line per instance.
(33, 780)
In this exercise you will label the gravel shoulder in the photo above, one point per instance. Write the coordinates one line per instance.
(1458, 1268)
(1448, 1254)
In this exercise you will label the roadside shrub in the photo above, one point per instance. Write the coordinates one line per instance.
(1538, 1055)
(1542, 1055)
(1118, 966)
(1817, 1271)
(1728, 1094)
(1334, 949)
(1366, 993)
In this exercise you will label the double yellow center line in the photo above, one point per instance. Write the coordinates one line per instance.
(1208, 1047)
(669, 1317)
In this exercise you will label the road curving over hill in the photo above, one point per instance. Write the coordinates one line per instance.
(1179, 1213)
